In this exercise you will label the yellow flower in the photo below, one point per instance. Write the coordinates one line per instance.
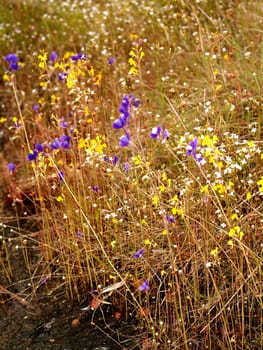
(248, 196)
(59, 198)
(155, 200)
(214, 252)
(234, 216)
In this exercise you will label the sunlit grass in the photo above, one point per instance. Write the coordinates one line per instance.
(157, 211)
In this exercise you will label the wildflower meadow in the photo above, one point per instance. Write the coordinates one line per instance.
(131, 138)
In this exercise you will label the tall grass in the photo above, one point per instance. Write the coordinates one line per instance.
(169, 227)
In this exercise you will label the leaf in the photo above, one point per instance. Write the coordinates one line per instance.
(112, 287)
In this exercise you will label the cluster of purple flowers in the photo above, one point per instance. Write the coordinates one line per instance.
(32, 156)
(128, 101)
(159, 132)
(113, 160)
(79, 56)
(12, 59)
(192, 150)
(63, 142)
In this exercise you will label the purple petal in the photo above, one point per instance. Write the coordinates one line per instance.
(145, 286)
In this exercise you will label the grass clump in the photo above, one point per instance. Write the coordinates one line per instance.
(135, 139)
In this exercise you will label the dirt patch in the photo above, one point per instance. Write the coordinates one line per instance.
(48, 320)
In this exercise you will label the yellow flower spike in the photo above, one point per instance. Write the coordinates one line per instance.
(113, 244)
(82, 143)
(174, 199)
(216, 73)
(174, 211)
(141, 54)
(248, 196)
(241, 235)
(230, 242)
(251, 144)
(6, 77)
(111, 277)
(220, 165)
(132, 53)
(260, 184)
(163, 273)
(214, 252)
(165, 232)
(68, 54)
(204, 189)
(218, 87)
(143, 222)
(43, 84)
(164, 176)
(231, 232)
(234, 216)
(155, 200)
(162, 188)
(180, 212)
(133, 36)
(115, 221)
(2, 120)
(147, 242)
(59, 198)
(133, 71)
(137, 159)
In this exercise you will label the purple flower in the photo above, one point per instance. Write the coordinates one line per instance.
(43, 281)
(64, 124)
(79, 234)
(145, 286)
(53, 56)
(32, 156)
(35, 107)
(139, 254)
(11, 167)
(192, 149)
(136, 102)
(55, 144)
(17, 124)
(39, 147)
(12, 59)
(118, 124)
(170, 218)
(115, 160)
(61, 175)
(62, 76)
(65, 141)
(62, 142)
(79, 56)
(166, 134)
(126, 166)
(124, 140)
(95, 189)
(111, 60)
(156, 131)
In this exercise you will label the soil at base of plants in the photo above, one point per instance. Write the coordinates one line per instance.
(49, 320)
